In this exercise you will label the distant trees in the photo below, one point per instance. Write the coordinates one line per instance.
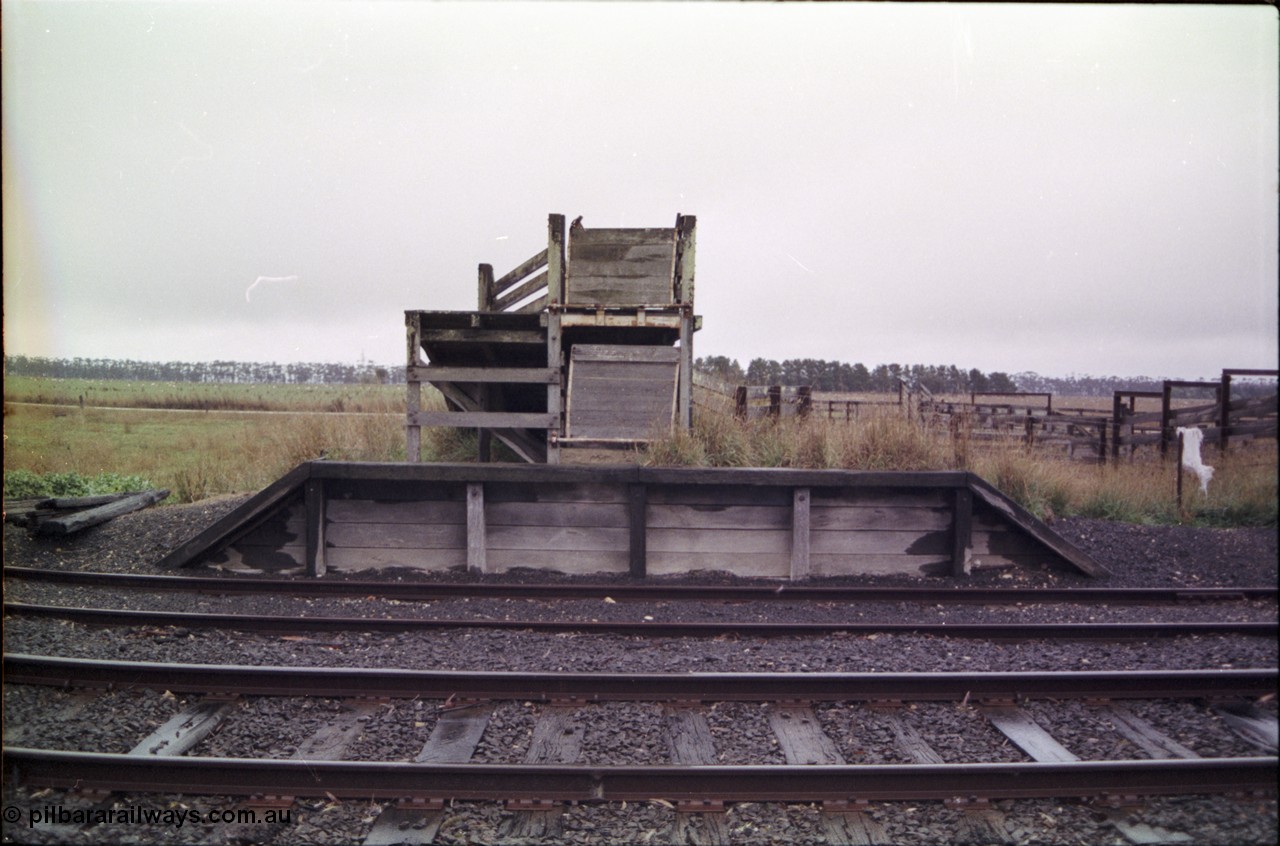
(821, 374)
(300, 373)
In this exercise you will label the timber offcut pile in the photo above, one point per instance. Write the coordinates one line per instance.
(68, 515)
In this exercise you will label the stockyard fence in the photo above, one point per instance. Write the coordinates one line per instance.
(1030, 417)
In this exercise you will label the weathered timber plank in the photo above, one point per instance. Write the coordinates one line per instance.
(593, 514)
(760, 565)
(1007, 543)
(475, 534)
(484, 419)
(613, 235)
(81, 520)
(624, 354)
(854, 518)
(614, 259)
(712, 498)
(852, 828)
(560, 538)
(720, 541)
(986, 495)
(909, 741)
(445, 373)
(185, 729)
(223, 531)
(585, 492)
(882, 542)
(688, 736)
(557, 737)
(532, 337)
(800, 534)
(617, 290)
(520, 271)
(455, 736)
(281, 560)
(579, 562)
(332, 739)
(882, 564)
(428, 512)
(1027, 734)
(961, 531)
(1142, 734)
(314, 499)
(622, 318)
(801, 738)
(396, 536)
(862, 497)
(355, 558)
(637, 530)
(452, 741)
(752, 517)
(780, 477)
(535, 285)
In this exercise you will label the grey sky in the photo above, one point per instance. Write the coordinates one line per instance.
(1070, 189)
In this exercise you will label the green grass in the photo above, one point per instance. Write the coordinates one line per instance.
(196, 396)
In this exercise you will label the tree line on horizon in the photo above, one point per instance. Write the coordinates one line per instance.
(842, 377)
(822, 375)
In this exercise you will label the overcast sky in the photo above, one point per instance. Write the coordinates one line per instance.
(1083, 189)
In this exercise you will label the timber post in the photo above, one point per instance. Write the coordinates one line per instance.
(555, 355)
(413, 390)
(486, 294)
(686, 244)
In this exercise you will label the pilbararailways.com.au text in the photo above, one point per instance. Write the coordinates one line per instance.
(133, 816)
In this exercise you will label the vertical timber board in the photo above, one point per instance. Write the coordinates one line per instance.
(484, 298)
(800, 534)
(637, 521)
(314, 497)
(476, 563)
(555, 357)
(413, 388)
(684, 387)
(686, 243)
(962, 529)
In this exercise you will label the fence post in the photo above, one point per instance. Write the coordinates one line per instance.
(1178, 471)
(775, 401)
(1166, 415)
(740, 402)
(1224, 418)
(804, 400)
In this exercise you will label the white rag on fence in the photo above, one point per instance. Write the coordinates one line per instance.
(1191, 440)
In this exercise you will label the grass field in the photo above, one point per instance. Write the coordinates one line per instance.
(195, 396)
(145, 429)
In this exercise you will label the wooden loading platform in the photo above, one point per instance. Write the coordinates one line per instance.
(588, 343)
(626, 519)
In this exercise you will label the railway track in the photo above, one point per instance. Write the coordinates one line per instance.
(839, 742)
(814, 770)
(988, 631)
(623, 591)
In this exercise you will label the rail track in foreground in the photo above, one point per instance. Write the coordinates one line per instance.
(646, 628)
(631, 591)
(814, 772)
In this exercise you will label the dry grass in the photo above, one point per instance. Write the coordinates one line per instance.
(1243, 492)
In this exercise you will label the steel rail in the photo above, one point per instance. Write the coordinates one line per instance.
(789, 783)
(543, 686)
(421, 590)
(988, 631)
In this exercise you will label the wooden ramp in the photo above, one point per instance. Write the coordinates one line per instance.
(492, 518)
